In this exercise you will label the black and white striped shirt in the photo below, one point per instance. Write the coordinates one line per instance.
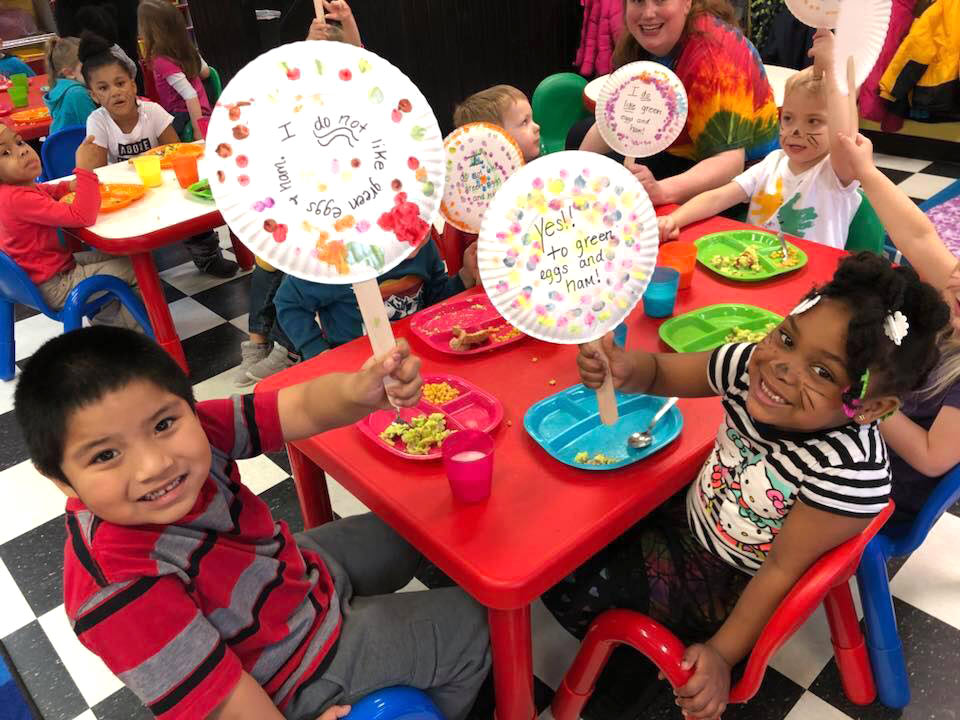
(756, 472)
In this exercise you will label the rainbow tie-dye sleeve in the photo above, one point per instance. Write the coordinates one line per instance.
(731, 102)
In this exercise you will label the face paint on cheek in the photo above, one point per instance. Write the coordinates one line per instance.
(814, 139)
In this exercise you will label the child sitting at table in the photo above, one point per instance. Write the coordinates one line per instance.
(178, 577)
(923, 436)
(800, 189)
(125, 126)
(12, 65)
(268, 350)
(507, 107)
(68, 99)
(319, 316)
(178, 69)
(798, 466)
(30, 216)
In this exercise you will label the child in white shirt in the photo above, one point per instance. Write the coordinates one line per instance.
(800, 189)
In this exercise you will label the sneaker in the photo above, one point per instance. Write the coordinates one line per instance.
(218, 267)
(279, 359)
(251, 353)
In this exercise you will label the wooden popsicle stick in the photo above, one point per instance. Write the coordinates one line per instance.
(606, 397)
(852, 97)
(375, 320)
(318, 8)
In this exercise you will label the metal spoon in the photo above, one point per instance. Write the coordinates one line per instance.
(643, 439)
(783, 246)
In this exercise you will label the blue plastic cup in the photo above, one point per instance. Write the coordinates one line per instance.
(661, 294)
(620, 335)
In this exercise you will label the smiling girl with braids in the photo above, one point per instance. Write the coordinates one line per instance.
(798, 466)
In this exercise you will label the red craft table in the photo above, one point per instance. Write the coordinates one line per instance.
(543, 519)
(28, 131)
(164, 216)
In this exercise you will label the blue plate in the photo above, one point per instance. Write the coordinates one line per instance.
(568, 423)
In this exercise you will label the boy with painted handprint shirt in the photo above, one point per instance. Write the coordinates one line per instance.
(800, 189)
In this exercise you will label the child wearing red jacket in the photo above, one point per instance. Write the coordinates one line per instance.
(29, 217)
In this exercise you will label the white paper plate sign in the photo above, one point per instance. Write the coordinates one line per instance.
(327, 161)
(480, 158)
(567, 247)
(815, 13)
(642, 109)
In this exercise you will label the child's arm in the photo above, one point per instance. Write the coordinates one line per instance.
(43, 209)
(247, 701)
(910, 230)
(807, 533)
(339, 399)
(839, 115)
(636, 371)
(699, 207)
(90, 155)
(932, 452)
(339, 11)
(439, 285)
(169, 135)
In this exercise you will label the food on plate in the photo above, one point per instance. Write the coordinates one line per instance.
(505, 332)
(743, 335)
(419, 434)
(599, 459)
(114, 196)
(166, 152)
(793, 257)
(747, 261)
(439, 393)
(462, 340)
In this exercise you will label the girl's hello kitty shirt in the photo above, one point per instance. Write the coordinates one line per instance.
(756, 472)
(152, 121)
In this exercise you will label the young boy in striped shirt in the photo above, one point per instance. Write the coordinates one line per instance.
(179, 578)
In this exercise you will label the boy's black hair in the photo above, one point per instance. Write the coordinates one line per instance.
(95, 52)
(98, 19)
(872, 289)
(76, 370)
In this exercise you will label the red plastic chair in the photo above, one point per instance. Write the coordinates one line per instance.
(826, 581)
(451, 243)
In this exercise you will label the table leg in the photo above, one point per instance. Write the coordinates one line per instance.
(311, 484)
(157, 308)
(242, 253)
(511, 643)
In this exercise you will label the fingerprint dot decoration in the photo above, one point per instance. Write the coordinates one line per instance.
(326, 161)
(480, 157)
(567, 247)
(642, 109)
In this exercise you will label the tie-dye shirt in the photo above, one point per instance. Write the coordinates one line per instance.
(731, 102)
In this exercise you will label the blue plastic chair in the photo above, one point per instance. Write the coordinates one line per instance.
(16, 287)
(895, 540)
(395, 703)
(59, 152)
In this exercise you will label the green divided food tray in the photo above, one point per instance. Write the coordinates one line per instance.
(706, 328)
(733, 242)
(201, 191)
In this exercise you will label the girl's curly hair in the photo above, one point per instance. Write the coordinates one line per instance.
(872, 289)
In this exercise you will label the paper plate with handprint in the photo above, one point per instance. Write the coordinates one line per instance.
(480, 158)
(642, 109)
(326, 161)
(568, 246)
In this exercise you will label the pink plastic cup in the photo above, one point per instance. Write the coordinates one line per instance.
(468, 460)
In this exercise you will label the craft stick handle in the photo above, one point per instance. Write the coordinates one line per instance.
(606, 397)
(318, 7)
(375, 319)
(852, 96)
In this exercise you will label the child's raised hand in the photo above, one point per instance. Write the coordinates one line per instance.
(857, 152)
(335, 712)
(401, 371)
(339, 11)
(593, 369)
(822, 51)
(470, 272)
(653, 187)
(707, 692)
(89, 155)
(669, 230)
(319, 30)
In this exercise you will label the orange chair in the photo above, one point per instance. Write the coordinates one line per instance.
(826, 581)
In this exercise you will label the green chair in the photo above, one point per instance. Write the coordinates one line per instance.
(866, 232)
(557, 105)
(213, 87)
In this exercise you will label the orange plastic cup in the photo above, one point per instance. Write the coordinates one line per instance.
(682, 257)
(185, 167)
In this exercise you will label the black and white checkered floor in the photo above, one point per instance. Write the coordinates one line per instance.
(66, 682)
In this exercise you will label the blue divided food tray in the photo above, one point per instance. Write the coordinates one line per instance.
(568, 423)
